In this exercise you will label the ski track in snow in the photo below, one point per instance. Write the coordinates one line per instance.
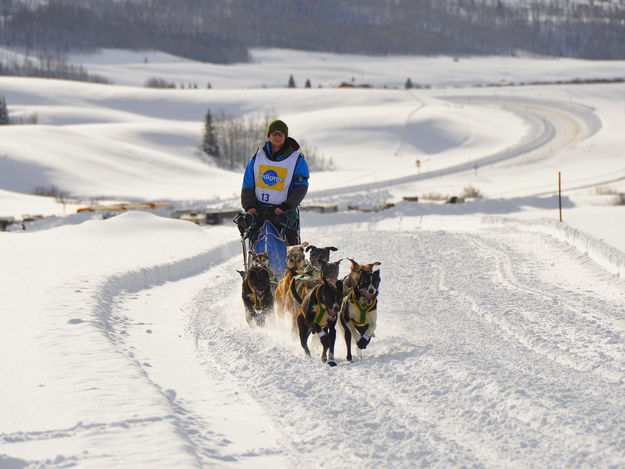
(487, 354)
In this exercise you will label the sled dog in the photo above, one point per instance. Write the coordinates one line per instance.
(318, 315)
(303, 284)
(261, 260)
(295, 262)
(351, 279)
(359, 311)
(316, 256)
(257, 294)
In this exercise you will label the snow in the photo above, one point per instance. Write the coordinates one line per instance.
(501, 330)
(272, 67)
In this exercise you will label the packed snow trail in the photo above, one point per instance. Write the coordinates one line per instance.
(494, 348)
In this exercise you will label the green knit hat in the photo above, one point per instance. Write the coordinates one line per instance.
(278, 125)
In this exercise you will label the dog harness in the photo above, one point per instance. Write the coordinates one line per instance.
(295, 279)
(321, 318)
(363, 309)
(257, 303)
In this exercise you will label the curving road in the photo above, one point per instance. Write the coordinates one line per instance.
(552, 126)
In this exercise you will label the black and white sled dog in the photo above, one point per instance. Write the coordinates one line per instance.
(319, 314)
(257, 294)
(359, 309)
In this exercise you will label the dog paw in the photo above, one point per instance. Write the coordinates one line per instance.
(363, 342)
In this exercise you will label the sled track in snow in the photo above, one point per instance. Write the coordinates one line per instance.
(551, 335)
(481, 359)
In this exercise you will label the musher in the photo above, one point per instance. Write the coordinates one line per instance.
(275, 182)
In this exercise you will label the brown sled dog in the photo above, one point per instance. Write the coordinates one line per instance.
(303, 284)
(295, 262)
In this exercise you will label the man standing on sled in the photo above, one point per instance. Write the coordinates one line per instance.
(276, 182)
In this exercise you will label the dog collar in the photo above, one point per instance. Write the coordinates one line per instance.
(363, 309)
(303, 277)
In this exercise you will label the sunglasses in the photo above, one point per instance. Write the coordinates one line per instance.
(276, 133)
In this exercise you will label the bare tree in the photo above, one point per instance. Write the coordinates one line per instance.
(4, 112)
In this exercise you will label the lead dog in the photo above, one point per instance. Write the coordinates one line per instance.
(318, 315)
(359, 311)
(295, 262)
(257, 294)
(351, 279)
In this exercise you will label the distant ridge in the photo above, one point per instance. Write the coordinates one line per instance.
(223, 32)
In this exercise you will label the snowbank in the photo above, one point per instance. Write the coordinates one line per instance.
(603, 254)
(57, 340)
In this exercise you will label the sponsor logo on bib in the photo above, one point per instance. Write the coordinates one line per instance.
(271, 177)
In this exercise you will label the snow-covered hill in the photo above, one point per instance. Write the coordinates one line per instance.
(500, 339)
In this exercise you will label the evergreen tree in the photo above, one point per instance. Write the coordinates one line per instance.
(308, 85)
(408, 84)
(291, 82)
(4, 112)
(210, 145)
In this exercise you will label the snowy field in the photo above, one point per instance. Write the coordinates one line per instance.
(501, 331)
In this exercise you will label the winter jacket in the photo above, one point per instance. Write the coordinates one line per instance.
(299, 184)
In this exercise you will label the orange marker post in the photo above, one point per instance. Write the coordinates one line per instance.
(560, 193)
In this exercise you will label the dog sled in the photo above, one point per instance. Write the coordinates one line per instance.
(264, 257)
(272, 236)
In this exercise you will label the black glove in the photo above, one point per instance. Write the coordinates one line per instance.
(363, 342)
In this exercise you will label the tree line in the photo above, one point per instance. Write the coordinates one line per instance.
(57, 67)
(231, 142)
(223, 32)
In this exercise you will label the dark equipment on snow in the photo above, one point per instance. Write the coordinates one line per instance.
(272, 236)
(267, 233)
